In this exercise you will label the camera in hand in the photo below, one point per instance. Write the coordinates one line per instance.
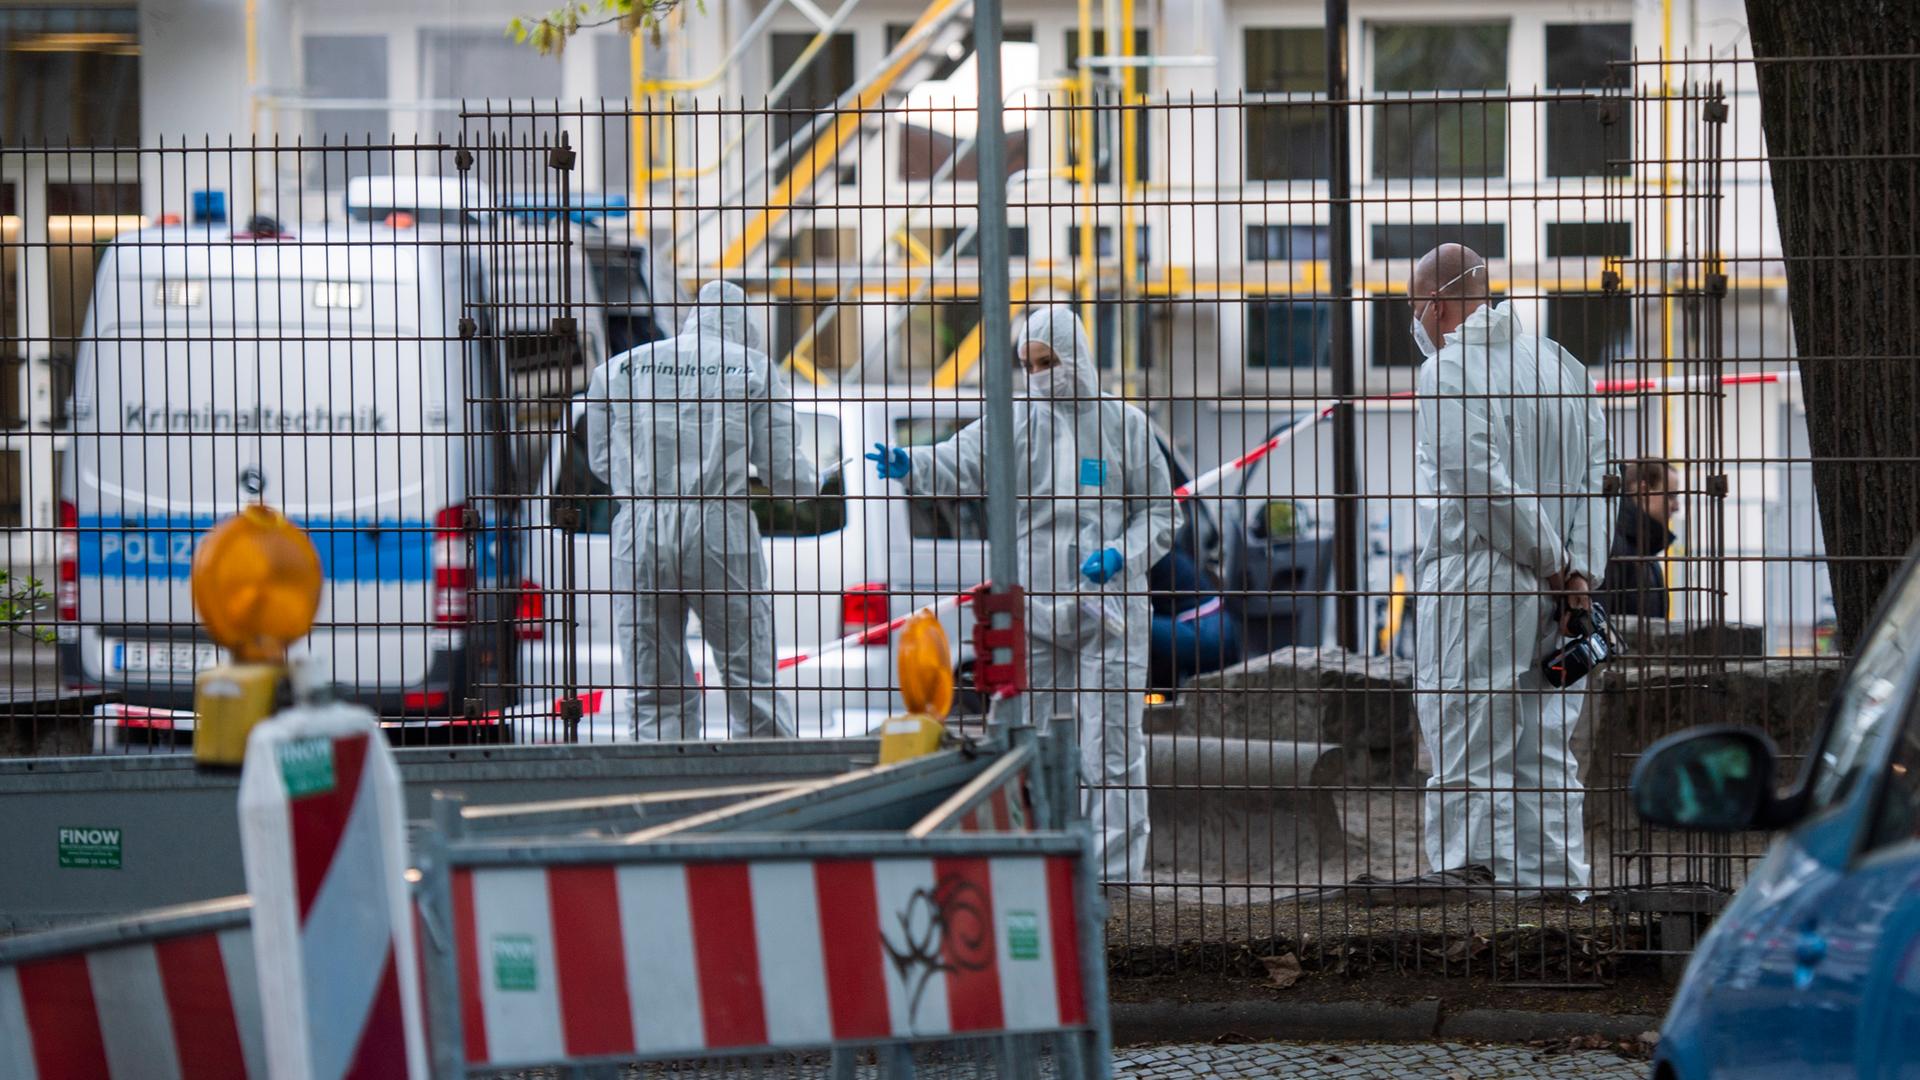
(1590, 643)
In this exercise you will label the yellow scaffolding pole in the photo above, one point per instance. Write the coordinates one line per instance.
(1087, 284)
(826, 149)
(642, 153)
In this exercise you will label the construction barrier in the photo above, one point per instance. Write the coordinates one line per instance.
(175, 839)
(169, 993)
(946, 905)
(323, 827)
(603, 951)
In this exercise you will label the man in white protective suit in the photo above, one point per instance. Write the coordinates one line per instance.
(1095, 511)
(1511, 448)
(672, 427)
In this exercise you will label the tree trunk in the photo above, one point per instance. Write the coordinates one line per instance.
(1843, 142)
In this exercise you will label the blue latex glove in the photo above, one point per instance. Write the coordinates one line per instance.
(1103, 566)
(890, 463)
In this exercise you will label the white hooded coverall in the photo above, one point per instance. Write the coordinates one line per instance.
(1512, 450)
(1089, 476)
(672, 427)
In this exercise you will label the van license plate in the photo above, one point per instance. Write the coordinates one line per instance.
(162, 657)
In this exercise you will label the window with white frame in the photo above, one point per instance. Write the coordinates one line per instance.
(1588, 135)
(1287, 132)
(1285, 333)
(1596, 327)
(828, 75)
(1425, 132)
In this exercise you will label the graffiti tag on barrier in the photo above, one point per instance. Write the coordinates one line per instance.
(943, 930)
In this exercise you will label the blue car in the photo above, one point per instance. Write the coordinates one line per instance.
(1813, 970)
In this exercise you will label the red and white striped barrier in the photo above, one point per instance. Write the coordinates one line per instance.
(560, 963)
(182, 1006)
(323, 832)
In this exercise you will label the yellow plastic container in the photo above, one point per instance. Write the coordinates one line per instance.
(926, 683)
(905, 737)
(228, 701)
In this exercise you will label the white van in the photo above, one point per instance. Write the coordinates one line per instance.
(325, 375)
(858, 555)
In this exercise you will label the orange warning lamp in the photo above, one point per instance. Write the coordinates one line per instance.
(926, 685)
(926, 667)
(256, 584)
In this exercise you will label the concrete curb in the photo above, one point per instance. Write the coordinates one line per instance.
(1520, 1025)
(1279, 1021)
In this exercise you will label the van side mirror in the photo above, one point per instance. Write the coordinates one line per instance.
(1716, 779)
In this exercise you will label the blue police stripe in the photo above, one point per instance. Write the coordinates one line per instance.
(358, 550)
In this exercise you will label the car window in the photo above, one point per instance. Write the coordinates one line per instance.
(1872, 699)
(939, 517)
(817, 515)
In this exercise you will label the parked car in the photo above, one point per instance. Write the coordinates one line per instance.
(851, 559)
(1813, 970)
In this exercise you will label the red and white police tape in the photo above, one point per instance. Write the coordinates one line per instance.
(182, 1008)
(323, 833)
(1319, 410)
(565, 962)
(1316, 412)
(877, 635)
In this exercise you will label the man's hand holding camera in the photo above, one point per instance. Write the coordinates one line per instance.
(1575, 592)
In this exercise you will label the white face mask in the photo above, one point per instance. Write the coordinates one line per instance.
(1055, 382)
(1422, 340)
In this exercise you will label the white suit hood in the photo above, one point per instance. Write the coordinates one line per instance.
(721, 311)
(1057, 327)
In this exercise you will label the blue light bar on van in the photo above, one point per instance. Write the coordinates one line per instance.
(209, 208)
(586, 208)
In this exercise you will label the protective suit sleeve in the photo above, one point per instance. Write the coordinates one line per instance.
(1590, 527)
(955, 466)
(1470, 465)
(1152, 516)
(773, 433)
(600, 425)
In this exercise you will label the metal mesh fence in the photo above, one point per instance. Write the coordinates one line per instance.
(534, 532)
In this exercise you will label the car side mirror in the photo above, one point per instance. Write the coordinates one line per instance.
(1714, 779)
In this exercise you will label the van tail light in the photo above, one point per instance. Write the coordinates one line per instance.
(452, 566)
(530, 613)
(865, 607)
(66, 553)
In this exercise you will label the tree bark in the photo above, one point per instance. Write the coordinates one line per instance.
(1843, 143)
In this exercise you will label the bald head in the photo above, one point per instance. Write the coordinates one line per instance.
(1452, 271)
(1449, 284)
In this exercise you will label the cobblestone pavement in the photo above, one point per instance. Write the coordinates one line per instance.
(1366, 1061)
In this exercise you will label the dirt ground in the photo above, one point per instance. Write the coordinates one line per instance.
(1467, 953)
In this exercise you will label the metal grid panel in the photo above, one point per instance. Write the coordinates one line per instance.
(1632, 221)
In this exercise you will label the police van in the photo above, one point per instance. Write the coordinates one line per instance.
(326, 375)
